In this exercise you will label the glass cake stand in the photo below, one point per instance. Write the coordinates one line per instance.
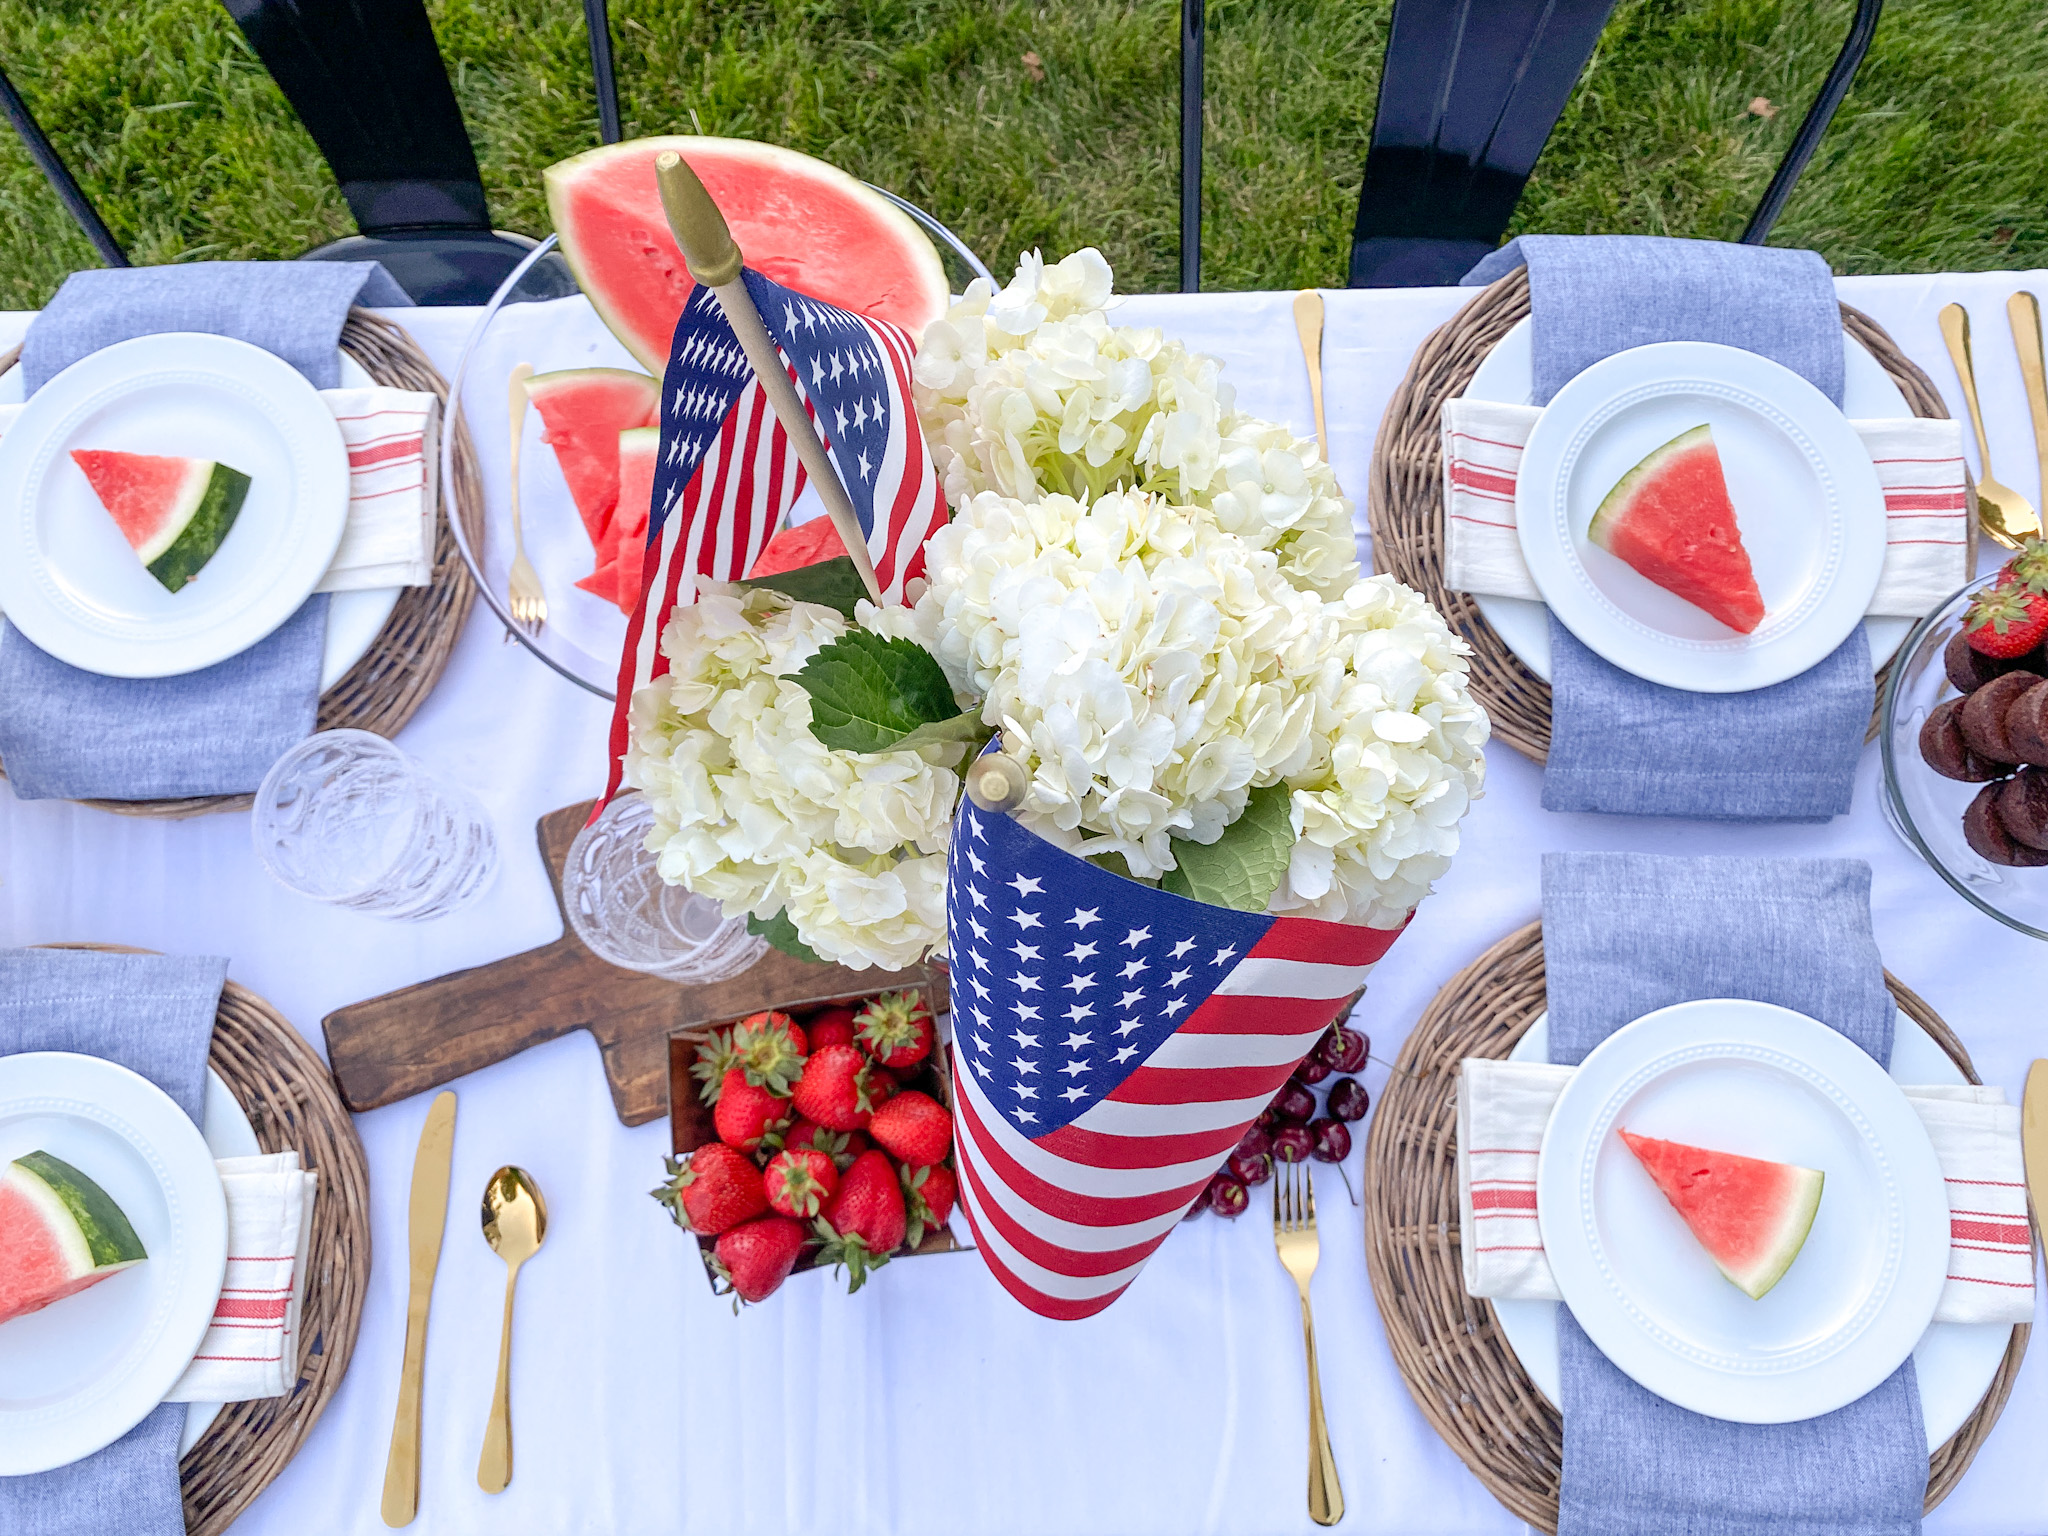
(538, 316)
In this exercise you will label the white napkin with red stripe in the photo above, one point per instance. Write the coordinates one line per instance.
(251, 1348)
(393, 442)
(1504, 1105)
(1919, 464)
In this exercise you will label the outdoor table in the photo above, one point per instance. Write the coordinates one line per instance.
(931, 1402)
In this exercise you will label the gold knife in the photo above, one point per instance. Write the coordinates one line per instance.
(428, 1219)
(2034, 1140)
(2023, 311)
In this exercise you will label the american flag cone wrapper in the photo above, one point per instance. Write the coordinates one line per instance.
(1111, 1045)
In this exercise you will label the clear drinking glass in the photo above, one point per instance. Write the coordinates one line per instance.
(620, 907)
(345, 817)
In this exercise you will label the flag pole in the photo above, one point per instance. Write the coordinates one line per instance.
(714, 260)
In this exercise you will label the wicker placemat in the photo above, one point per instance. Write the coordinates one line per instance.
(1448, 1345)
(1405, 498)
(381, 691)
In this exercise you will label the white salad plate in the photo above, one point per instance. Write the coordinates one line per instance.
(1766, 1082)
(1507, 376)
(1955, 1363)
(81, 1373)
(68, 579)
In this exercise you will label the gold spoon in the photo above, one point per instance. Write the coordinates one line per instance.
(1308, 326)
(515, 1222)
(2002, 511)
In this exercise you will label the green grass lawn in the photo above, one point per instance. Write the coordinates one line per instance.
(1055, 124)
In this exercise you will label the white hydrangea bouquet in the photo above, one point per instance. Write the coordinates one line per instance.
(1153, 597)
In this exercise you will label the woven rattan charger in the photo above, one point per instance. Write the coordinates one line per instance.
(1405, 495)
(289, 1097)
(393, 678)
(1449, 1345)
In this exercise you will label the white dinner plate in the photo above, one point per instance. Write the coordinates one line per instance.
(82, 1372)
(1955, 1363)
(225, 1125)
(1805, 493)
(1507, 375)
(1766, 1082)
(68, 579)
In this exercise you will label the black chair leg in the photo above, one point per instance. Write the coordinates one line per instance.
(1818, 116)
(1193, 26)
(597, 22)
(45, 155)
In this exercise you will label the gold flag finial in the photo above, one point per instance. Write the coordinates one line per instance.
(708, 246)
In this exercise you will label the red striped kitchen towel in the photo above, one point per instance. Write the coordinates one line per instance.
(1504, 1105)
(251, 1348)
(1919, 466)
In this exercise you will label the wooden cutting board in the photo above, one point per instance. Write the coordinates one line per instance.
(406, 1042)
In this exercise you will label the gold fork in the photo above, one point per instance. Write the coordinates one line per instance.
(1294, 1235)
(529, 602)
(2002, 511)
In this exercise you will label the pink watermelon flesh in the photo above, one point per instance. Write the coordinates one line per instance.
(805, 224)
(1671, 519)
(585, 410)
(794, 548)
(617, 577)
(1751, 1216)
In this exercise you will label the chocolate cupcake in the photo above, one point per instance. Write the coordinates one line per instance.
(1982, 717)
(2023, 807)
(1985, 831)
(1970, 669)
(1943, 749)
(2026, 725)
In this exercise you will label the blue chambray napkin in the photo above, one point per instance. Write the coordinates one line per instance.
(1620, 743)
(71, 734)
(154, 1015)
(1624, 934)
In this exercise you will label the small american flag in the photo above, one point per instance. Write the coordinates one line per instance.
(1111, 1044)
(728, 473)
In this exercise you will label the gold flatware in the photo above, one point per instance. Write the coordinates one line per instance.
(429, 1216)
(1308, 325)
(529, 601)
(2023, 311)
(1294, 1235)
(2002, 511)
(515, 1224)
(2034, 1140)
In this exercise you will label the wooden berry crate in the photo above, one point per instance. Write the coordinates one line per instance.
(690, 1123)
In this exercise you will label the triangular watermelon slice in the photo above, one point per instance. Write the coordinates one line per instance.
(623, 544)
(60, 1233)
(1751, 1216)
(794, 548)
(1671, 519)
(173, 512)
(585, 410)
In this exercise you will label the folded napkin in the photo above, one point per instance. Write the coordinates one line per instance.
(71, 734)
(154, 1015)
(251, 1348)
(1919, 464)
(1624, 934)
(1620, 744)
(1504, 1105)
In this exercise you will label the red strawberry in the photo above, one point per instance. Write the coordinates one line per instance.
(831, 1026)
(897, 1029)
(757, 1257)
(836, 1090)
(2006, 621)
(841, 1146)
(865, 1221)
(928, 1195)
(746, 1113)
(800, 1181)
(770, 1048)
(915, 1127)
(715, 1189)
(2028, 568)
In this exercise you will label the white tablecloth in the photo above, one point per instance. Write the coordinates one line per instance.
(931, 1403)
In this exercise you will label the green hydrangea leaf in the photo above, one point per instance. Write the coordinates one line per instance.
(965, 726)
(1244, 866)
(830, 583)
(780, 932)
(868, 693)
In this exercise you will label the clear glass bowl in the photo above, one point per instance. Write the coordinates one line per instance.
(1926, 809)
(539, 317)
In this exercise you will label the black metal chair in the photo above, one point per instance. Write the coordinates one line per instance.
(1469, 92)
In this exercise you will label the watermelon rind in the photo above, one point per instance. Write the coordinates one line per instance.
(203, 529)
(1768, 1271)
(83, 1217)
(1609, 511)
